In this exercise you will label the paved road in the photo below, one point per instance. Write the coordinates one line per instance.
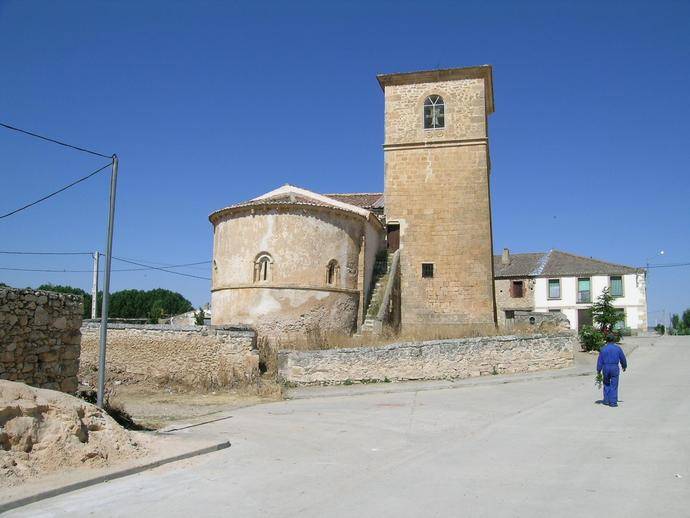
(530, 449)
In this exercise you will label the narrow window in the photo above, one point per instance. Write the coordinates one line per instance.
(427, 270)
(262, 268)
(516, 289)
(332, 271)
(554, 288)
(433, 112)
(616, 285)
(554, 311)
(584, 292)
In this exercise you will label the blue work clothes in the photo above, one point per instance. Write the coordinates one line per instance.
(610, 356)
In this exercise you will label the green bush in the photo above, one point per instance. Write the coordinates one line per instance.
(660, 328)
(591, 339)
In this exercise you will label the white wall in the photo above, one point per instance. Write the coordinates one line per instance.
(633, 299)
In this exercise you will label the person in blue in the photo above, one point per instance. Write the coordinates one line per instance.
(609, 357)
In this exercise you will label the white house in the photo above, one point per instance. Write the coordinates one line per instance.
(569, 283)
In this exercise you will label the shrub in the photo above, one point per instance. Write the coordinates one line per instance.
(660, 328)
(591, 339)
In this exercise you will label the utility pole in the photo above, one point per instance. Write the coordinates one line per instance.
(106, 285)
(94, 286)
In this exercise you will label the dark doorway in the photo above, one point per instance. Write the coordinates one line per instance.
(393, 237)
(584, 318)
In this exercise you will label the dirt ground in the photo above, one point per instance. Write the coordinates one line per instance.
(156, 407)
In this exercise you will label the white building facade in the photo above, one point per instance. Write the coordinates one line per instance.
(568, 294)
(568, 283)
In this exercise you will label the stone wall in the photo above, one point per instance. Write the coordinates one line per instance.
(506, 302)
(39, 338)
(301, 241)
(198, 357)
(438, 359)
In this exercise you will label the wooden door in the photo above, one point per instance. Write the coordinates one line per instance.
(393, 237)
(584, 318)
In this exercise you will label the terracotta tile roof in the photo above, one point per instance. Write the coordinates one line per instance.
(366, 200)
(555, 263)
(292, 195)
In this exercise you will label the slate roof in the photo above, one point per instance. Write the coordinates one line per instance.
(366, 200)
(556, 263)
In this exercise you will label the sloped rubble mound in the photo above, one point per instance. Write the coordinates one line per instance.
(43, 431)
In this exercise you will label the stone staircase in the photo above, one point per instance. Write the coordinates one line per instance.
(381, 273)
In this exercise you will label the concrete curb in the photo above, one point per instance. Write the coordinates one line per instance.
(13, 504)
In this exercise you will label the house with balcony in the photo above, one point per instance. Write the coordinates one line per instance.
(557, 281)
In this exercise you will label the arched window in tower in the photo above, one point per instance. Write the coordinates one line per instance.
(433, 112)
(332, 273)
(262, 268)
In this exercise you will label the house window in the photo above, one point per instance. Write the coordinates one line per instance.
(427, 270)
(554, 288)
(510, 314)
(584, 291)
(616, 285)
(433, 112)
(554, 311)
(332, 271)
(262, 268)
(516, 289)
(620, 324)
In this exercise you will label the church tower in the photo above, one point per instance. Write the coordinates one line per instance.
(437, 197)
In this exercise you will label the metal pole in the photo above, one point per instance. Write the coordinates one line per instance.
(106, 285)
(94, 286)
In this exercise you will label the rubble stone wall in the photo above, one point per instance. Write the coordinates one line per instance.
(197, 357)
(40, 338)
(437, 359)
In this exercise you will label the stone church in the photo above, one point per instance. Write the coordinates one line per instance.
(415, 257)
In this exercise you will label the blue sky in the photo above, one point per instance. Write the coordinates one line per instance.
(210, 103)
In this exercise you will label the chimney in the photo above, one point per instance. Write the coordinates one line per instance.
(505, 258)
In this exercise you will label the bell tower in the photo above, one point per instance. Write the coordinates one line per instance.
(437, 196)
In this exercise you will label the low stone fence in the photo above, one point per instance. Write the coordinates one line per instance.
(197, 357)
(39, 338)
(437, 359)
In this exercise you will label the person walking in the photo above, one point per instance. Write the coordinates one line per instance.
(609, 357)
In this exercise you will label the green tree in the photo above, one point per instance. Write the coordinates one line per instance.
(199, 317)
(675, 321)
(605, 317)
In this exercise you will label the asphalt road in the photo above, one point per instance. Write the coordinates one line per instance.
(527, 449)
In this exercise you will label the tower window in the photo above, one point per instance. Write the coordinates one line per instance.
(427, 270)
(433, 112)
(332, 271)
(262, 268)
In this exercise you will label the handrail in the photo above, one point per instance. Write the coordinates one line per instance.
(385, 301)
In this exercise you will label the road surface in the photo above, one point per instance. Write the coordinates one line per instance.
(541, 448)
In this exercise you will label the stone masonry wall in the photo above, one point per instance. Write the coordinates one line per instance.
(437, 190)
(438, 359)
(198, 357)
(39, 338)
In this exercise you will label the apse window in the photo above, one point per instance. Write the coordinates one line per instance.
(262, 268)
(427, 270)
(332, 271)
(434, 112)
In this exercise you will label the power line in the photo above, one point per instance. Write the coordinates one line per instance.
(671, 265)
(162, 269)
(56, 192)
(52, 140)
(59, 270)
(13, 252)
